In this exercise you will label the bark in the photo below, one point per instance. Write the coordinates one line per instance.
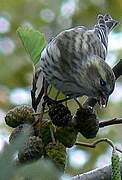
(97, 174)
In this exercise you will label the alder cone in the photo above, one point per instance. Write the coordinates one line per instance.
(19, 115)
(66, 135)
(86, 122)
(56, 153)
(32, 150)
(59, 114)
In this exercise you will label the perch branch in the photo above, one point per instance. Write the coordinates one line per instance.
(110, 122)
(117, 69)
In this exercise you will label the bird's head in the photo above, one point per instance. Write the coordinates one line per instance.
(101, 80)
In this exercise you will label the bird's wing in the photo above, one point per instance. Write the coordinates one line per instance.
(77, 44)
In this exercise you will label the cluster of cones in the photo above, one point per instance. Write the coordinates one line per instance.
(49, 138)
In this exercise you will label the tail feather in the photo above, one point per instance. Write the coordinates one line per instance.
(102, 31)
(110, 23)
(104, 26)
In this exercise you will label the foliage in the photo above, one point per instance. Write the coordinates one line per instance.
(33, 41)
(7, 165)
(41, 169)
(10, 169)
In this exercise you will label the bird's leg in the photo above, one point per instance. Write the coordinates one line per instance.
(56, 97)
(46, 100)
(64, 100)
(79, 104)
(49, 100)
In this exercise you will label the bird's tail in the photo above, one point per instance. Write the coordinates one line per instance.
(110, 22)
(104, 26)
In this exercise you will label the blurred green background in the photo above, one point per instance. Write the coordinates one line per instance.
(51, 17)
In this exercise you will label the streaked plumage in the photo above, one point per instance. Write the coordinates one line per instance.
(74, 60)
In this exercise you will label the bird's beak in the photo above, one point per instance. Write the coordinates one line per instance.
(103, 100)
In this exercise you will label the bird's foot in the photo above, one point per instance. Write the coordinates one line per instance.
(49, 101)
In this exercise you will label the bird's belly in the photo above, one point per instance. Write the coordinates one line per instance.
(67, 86)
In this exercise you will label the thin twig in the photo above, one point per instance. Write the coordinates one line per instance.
(52, 134)
(110, 122)
(38, 113)
(119, 150)
(39, 120)
(94, 144)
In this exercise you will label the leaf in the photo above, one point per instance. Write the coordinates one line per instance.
(33, 42)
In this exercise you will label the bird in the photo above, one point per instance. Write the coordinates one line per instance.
(74, 62)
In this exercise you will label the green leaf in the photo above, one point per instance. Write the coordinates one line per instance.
(33, 42)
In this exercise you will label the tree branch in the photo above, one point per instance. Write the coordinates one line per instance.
(117, 69)
(95, 143)
(99, 174)
(110, 122)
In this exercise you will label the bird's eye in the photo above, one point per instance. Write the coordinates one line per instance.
(102, 82)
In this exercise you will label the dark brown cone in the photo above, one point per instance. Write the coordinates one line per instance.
(32, 150)
(86, 122)
(59, 114)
